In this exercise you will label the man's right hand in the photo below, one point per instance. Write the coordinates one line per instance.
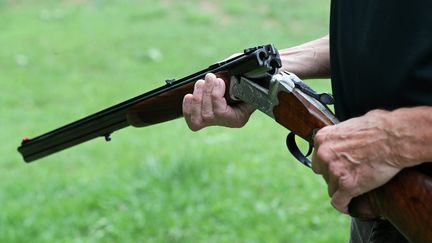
(208, 107)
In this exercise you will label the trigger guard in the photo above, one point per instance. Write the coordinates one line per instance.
(295, 151)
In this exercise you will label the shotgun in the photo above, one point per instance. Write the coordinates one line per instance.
(253, 77)
(162, 104)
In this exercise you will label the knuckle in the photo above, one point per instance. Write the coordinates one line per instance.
(336, 171)
(196, 99)
(208, 88)
(333, 169)
(324, 154)
(207, 117)
(320, 137)
(219, 112)
(214, 95)
(346, 184)
(376, 112)
(195, 121)
(220, 85)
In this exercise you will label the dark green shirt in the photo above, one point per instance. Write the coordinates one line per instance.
(381, 54)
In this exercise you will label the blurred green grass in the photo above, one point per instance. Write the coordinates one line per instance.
(62, 60)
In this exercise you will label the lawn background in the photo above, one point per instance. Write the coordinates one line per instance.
(63, 60)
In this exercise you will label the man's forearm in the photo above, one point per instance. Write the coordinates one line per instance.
(308, 60)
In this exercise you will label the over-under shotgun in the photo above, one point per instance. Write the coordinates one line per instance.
(161, 104)
(253, 77)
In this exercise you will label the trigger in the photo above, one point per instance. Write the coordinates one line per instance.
(295, 151)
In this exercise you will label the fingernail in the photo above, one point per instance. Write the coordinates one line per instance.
(210, 75)
(199, 83)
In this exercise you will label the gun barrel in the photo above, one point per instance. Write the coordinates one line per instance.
(75, 133)
(257, 60)
(100, 124)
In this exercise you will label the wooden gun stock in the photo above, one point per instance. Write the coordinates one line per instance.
(406, 200)
(164, 107)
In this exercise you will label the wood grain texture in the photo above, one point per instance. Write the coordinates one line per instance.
(406, 201)
(166, 106)
(298, 115)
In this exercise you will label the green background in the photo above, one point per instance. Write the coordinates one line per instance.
(63, 60)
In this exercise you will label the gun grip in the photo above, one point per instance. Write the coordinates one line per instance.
(404, 200)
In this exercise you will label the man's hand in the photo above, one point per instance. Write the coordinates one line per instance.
(207, 106)
(356, 156)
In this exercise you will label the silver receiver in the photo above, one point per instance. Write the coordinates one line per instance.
(265, 99)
